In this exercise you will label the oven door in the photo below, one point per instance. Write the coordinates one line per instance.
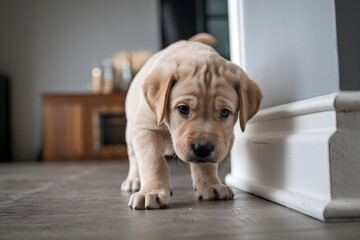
(109, 132)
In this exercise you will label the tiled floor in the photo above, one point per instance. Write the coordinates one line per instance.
(84, 201)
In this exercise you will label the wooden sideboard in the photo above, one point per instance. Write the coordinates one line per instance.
(83, 127)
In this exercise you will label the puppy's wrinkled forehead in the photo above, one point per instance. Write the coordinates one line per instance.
(206, 75)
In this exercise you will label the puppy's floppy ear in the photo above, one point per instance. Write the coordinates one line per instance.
(157, 87)
(250, 95)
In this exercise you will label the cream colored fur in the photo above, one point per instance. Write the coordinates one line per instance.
(184, 101)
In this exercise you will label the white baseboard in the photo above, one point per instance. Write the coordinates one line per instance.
(304, 155)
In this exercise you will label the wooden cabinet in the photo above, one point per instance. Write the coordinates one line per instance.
(83, 127)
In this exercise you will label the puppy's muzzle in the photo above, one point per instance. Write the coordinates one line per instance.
(202, 150)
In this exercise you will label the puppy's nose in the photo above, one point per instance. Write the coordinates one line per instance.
(202, 149)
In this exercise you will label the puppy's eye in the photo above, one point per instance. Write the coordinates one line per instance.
(184, 110)
(224, 113)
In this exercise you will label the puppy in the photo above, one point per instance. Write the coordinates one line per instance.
(185, 101)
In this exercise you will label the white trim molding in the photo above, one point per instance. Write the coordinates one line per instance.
(303, 155)
(236, 27)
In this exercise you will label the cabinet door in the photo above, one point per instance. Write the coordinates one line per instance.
(63, 132)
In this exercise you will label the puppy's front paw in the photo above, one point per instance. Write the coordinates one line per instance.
(154, 199)
(130, 185)
(214, 192)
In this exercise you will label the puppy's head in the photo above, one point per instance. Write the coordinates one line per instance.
(200, 100)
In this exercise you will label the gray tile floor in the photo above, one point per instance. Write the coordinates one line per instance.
(84, 201)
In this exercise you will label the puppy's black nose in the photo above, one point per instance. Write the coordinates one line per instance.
(202, 149)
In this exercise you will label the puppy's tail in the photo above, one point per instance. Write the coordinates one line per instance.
(204, 38)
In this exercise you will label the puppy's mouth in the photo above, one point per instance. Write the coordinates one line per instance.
(198, 161)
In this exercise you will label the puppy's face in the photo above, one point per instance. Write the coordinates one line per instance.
(200, 102)
(202, 110)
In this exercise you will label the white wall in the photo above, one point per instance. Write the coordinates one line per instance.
(51, 46)
(289, 47)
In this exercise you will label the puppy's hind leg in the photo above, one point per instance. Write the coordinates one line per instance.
(132, 182)
(207, 184)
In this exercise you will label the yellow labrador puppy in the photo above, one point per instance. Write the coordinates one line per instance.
(184, 101)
